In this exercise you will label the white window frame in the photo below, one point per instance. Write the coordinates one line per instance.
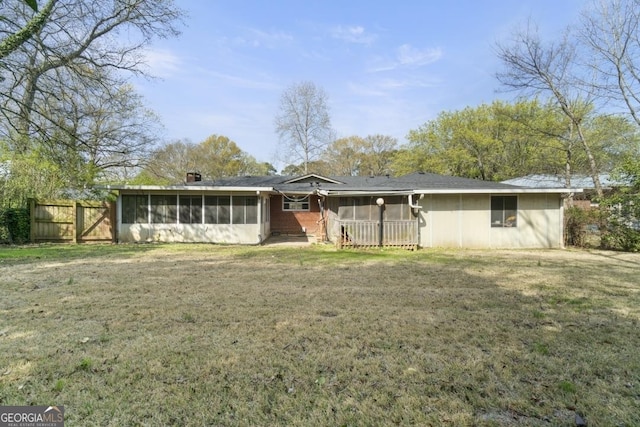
(296, 204)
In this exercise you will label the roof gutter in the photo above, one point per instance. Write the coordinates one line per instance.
(502, 191)
(409, 193)
(365, 193)
(195, 188)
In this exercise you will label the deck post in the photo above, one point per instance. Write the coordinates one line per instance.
(380, 203)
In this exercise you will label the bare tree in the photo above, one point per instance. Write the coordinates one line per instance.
(303, 123)
(64, 95)
(79, 42)
(534, 68)
(610, 31)
(104, 129)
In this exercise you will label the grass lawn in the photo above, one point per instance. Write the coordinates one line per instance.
(196, 335)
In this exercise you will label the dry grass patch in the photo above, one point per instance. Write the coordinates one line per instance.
(209, 335)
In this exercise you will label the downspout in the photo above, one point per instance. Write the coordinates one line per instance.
(415, 210)
(411, 205)
(118, 225)
(260, 219)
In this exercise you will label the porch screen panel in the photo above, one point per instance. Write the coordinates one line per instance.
(164, 209)
(135, 209)
(251, 207)
(395, 209)
(237, 213)
(362, 208)
(266, 210)
(196, 210)
(224, 210)
(216, 210)
(345, 210)
(190, 209)
(210, 210)
(245, 210)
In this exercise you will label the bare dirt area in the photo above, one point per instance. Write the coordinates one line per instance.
(278, 335)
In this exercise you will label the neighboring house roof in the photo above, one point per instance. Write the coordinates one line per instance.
(558, 181)
(415, 183)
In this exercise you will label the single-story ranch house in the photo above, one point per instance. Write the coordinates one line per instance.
(417, 210)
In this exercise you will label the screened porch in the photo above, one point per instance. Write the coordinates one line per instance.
(374, 221)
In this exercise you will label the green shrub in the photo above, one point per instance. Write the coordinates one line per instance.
(577, 223)
(622, 231)
(14, 225)
(621, 237)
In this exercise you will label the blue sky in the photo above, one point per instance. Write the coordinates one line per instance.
(387, 67)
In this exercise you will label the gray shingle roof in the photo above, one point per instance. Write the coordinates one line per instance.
(415, 181)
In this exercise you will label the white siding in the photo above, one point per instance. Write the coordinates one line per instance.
(191, 233)
(465, 221)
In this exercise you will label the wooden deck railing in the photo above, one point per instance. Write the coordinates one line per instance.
(365, 234)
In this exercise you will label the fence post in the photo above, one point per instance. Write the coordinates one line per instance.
(113, 218)
(32, 220)
(74, 226)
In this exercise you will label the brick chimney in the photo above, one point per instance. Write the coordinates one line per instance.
(194, 177)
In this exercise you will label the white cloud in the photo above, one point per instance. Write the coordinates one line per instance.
(364, 90)
(162, 63)
(353, 34)
(410, 56)
(405, 56)
(384, 87)
(212, 77)
(259, 38)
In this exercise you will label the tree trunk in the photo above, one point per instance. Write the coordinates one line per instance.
(14, 41)
(567, 176)
(593, 167)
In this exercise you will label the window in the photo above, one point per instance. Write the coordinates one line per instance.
(266, 210)
(504, 211)
(217, 210)
(135, 209)
(290, 203)
(164, 209)
(190, 209)
(245, 210)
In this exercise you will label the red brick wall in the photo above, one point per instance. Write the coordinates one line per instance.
(294, 222)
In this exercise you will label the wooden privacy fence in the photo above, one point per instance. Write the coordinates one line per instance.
(72, 221)
(365, 234)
